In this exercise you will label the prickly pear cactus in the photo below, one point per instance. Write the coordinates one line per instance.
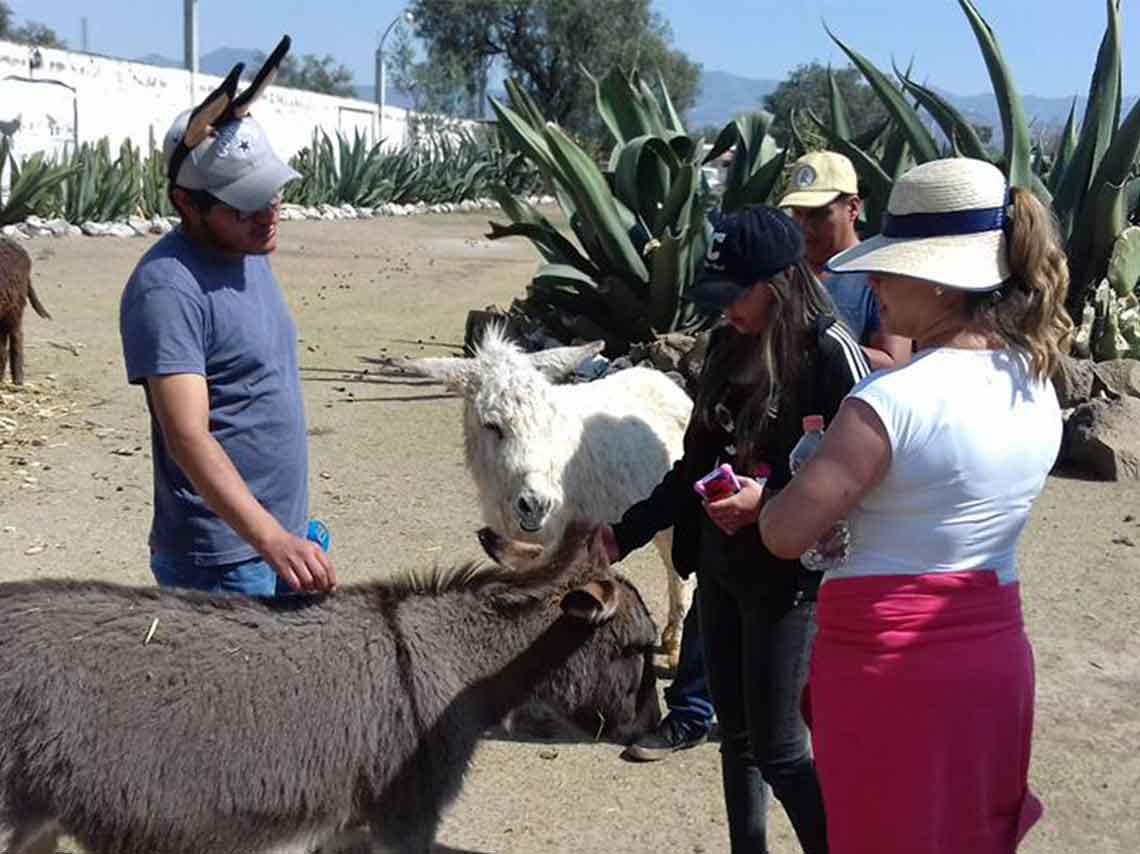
(1124, 265)
(1082, 338)
(1110, 325)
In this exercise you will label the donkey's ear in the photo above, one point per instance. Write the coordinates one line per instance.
(595, 602)
(559, 362)
(264, 79)
(455, 373)
(213, 108)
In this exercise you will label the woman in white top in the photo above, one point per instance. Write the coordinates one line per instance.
(920, 693)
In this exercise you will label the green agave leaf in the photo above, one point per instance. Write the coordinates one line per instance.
(1105, 213)
(652, 106)
(627, 309)
(958, 130)
(670, 276)
(840, 123)
(549, 242)
(896, 154)
(799, 146)
(531, 142)
(1066, 146)
(756, 145)
(1015, 130)
(1097, 129)
(728, 137)
(595, 204)
(524, 104)
(905, 116)
(684, 147)
(870, 138)
(673, 121)
(754, 149)
(759, 188)
(565, 276)
(623, 107)
(644, 173)
(680, 202)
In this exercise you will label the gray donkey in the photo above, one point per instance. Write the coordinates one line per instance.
(148, 721)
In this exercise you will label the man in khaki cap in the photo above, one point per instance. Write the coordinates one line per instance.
(823, 196)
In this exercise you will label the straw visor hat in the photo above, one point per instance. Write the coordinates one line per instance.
(945, 223)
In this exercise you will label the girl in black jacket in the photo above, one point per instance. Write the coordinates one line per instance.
(781, 356)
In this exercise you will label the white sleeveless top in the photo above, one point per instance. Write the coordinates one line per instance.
(973, 436)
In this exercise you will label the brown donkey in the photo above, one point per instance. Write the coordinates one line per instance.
(15, 292)
(146, 721)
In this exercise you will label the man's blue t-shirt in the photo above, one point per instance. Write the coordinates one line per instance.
(858, 308)
(189, 310)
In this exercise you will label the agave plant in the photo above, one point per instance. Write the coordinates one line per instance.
(1091, 180)
(153, 197)
(452, 166)
(640, 226)
(98, 188)
(31, 184)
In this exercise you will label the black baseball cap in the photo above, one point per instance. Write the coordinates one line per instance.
(747, 246)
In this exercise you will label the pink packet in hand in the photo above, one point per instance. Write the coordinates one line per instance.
(720, 483)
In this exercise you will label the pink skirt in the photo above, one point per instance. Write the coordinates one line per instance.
(920, 703)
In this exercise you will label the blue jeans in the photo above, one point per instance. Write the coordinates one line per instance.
(688, 696)
(253, 577)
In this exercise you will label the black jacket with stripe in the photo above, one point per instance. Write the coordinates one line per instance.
(832, 368)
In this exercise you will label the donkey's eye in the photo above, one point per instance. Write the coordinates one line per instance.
(494, 428)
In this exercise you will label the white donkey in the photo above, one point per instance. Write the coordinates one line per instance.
(542, 455)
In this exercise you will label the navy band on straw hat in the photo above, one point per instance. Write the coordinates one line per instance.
(945, 223)
(747, 246)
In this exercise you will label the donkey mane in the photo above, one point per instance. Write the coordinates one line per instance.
(471, 576)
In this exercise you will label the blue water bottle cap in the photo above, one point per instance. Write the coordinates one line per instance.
(319, 533)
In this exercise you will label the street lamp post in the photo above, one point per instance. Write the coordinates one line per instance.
(380, 83)
(190, 42)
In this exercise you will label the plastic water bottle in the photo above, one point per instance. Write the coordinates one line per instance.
(838, 539)
(319, 533)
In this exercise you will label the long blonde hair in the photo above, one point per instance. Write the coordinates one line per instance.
(777, 354)
(1029, 310)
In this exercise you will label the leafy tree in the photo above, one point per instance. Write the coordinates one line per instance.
(316, 74)
(547, 46)
(438, 86)
(806, 87)
(31, 33)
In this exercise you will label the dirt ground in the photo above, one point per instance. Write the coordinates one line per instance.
(388, 478)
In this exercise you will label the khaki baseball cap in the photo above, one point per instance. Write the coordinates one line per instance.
(818, 179)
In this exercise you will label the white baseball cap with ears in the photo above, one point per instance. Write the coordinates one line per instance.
(219, 148)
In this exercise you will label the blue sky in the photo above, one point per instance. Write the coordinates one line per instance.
(1050, 44)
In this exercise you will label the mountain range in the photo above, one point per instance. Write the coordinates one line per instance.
(723, 95)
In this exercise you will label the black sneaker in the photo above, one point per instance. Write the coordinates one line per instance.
(671, 735)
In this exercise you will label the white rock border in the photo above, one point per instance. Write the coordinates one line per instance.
(134, 226)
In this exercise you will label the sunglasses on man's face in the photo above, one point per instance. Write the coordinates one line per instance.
(245, 216)
(203, 200)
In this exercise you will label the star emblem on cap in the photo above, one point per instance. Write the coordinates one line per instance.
(804, 177)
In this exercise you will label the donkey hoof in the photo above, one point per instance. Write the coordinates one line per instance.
(671, 649)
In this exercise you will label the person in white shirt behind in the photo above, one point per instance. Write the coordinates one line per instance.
(921, 685)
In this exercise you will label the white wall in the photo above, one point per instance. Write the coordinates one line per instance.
(77, 97)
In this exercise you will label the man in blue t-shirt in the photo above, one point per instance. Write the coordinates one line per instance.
(823, 196)
(207, 334)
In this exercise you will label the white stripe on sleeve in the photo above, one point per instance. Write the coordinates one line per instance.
(851, 351)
